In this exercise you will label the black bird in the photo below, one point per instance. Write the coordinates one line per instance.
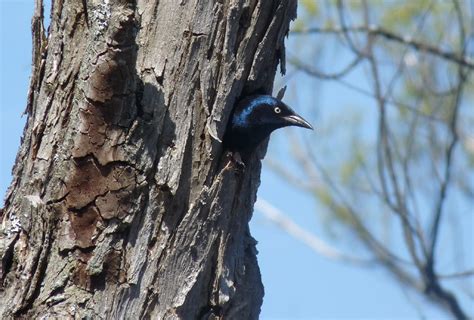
(254, 118)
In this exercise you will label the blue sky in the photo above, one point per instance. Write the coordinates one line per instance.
(299, 284)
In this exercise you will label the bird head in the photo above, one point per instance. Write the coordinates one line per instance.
(267, 112)
(255, 117)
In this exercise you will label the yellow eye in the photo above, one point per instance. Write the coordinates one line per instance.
(277, 110)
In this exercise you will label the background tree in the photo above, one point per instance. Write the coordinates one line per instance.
(121, 204)
(395, 175)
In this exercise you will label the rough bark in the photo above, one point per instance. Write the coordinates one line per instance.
(123, 204)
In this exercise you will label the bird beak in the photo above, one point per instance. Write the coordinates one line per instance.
(296, 120)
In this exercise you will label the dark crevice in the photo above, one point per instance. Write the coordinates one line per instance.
(54, 201)
(139, 89)
(98, 281)
(86, 13)
(7, 260)
(40, 266)
(106, 168)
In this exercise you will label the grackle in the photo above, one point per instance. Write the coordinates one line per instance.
(254, 118)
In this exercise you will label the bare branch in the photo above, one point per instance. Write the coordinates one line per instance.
(350, 42)
(462, 76)
(399, 148)
(389, 35)
(319, 246)
(338, 75)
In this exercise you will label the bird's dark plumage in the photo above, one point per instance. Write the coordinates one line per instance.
(254, 118)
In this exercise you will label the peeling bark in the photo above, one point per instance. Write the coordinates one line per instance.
(122, 203)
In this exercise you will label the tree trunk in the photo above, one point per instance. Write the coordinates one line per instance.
(123, 204)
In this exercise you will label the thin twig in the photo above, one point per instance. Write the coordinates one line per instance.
(457, 275)
(299, 65)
